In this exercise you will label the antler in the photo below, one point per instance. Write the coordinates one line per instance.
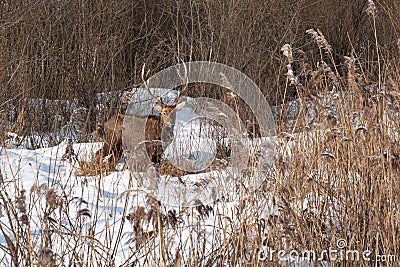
(185, 78)
(146, 85)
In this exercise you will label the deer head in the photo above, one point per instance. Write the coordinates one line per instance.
(160, 127)
(165, 110)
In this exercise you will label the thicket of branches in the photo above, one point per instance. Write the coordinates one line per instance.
(72, 49)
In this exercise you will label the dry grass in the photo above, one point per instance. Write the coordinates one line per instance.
(337, 171)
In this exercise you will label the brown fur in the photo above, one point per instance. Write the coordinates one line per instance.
(154, 131)
(111, 135)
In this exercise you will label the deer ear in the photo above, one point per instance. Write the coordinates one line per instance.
(158, 107)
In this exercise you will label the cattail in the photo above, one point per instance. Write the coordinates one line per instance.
(319, 38)
(290, 75)
(371, 9)
(351, 70)
(350, 64)
(69, 151)
(51, 199)
(20, 202)
(47, 257)
(324, 68)
(287, 52)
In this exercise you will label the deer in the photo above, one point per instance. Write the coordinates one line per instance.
(160, 128)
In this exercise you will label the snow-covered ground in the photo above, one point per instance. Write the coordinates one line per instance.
(107, 214)
(96, 205)
(114, 217)
(111, 216)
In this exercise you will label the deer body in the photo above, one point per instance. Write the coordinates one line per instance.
(111, 135)
(157, 128)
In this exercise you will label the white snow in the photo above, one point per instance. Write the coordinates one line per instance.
(98, 204)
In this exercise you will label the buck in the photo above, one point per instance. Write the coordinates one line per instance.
(158, 127)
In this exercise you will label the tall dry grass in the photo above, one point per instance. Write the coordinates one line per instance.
(337, 172)
(73, 50)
